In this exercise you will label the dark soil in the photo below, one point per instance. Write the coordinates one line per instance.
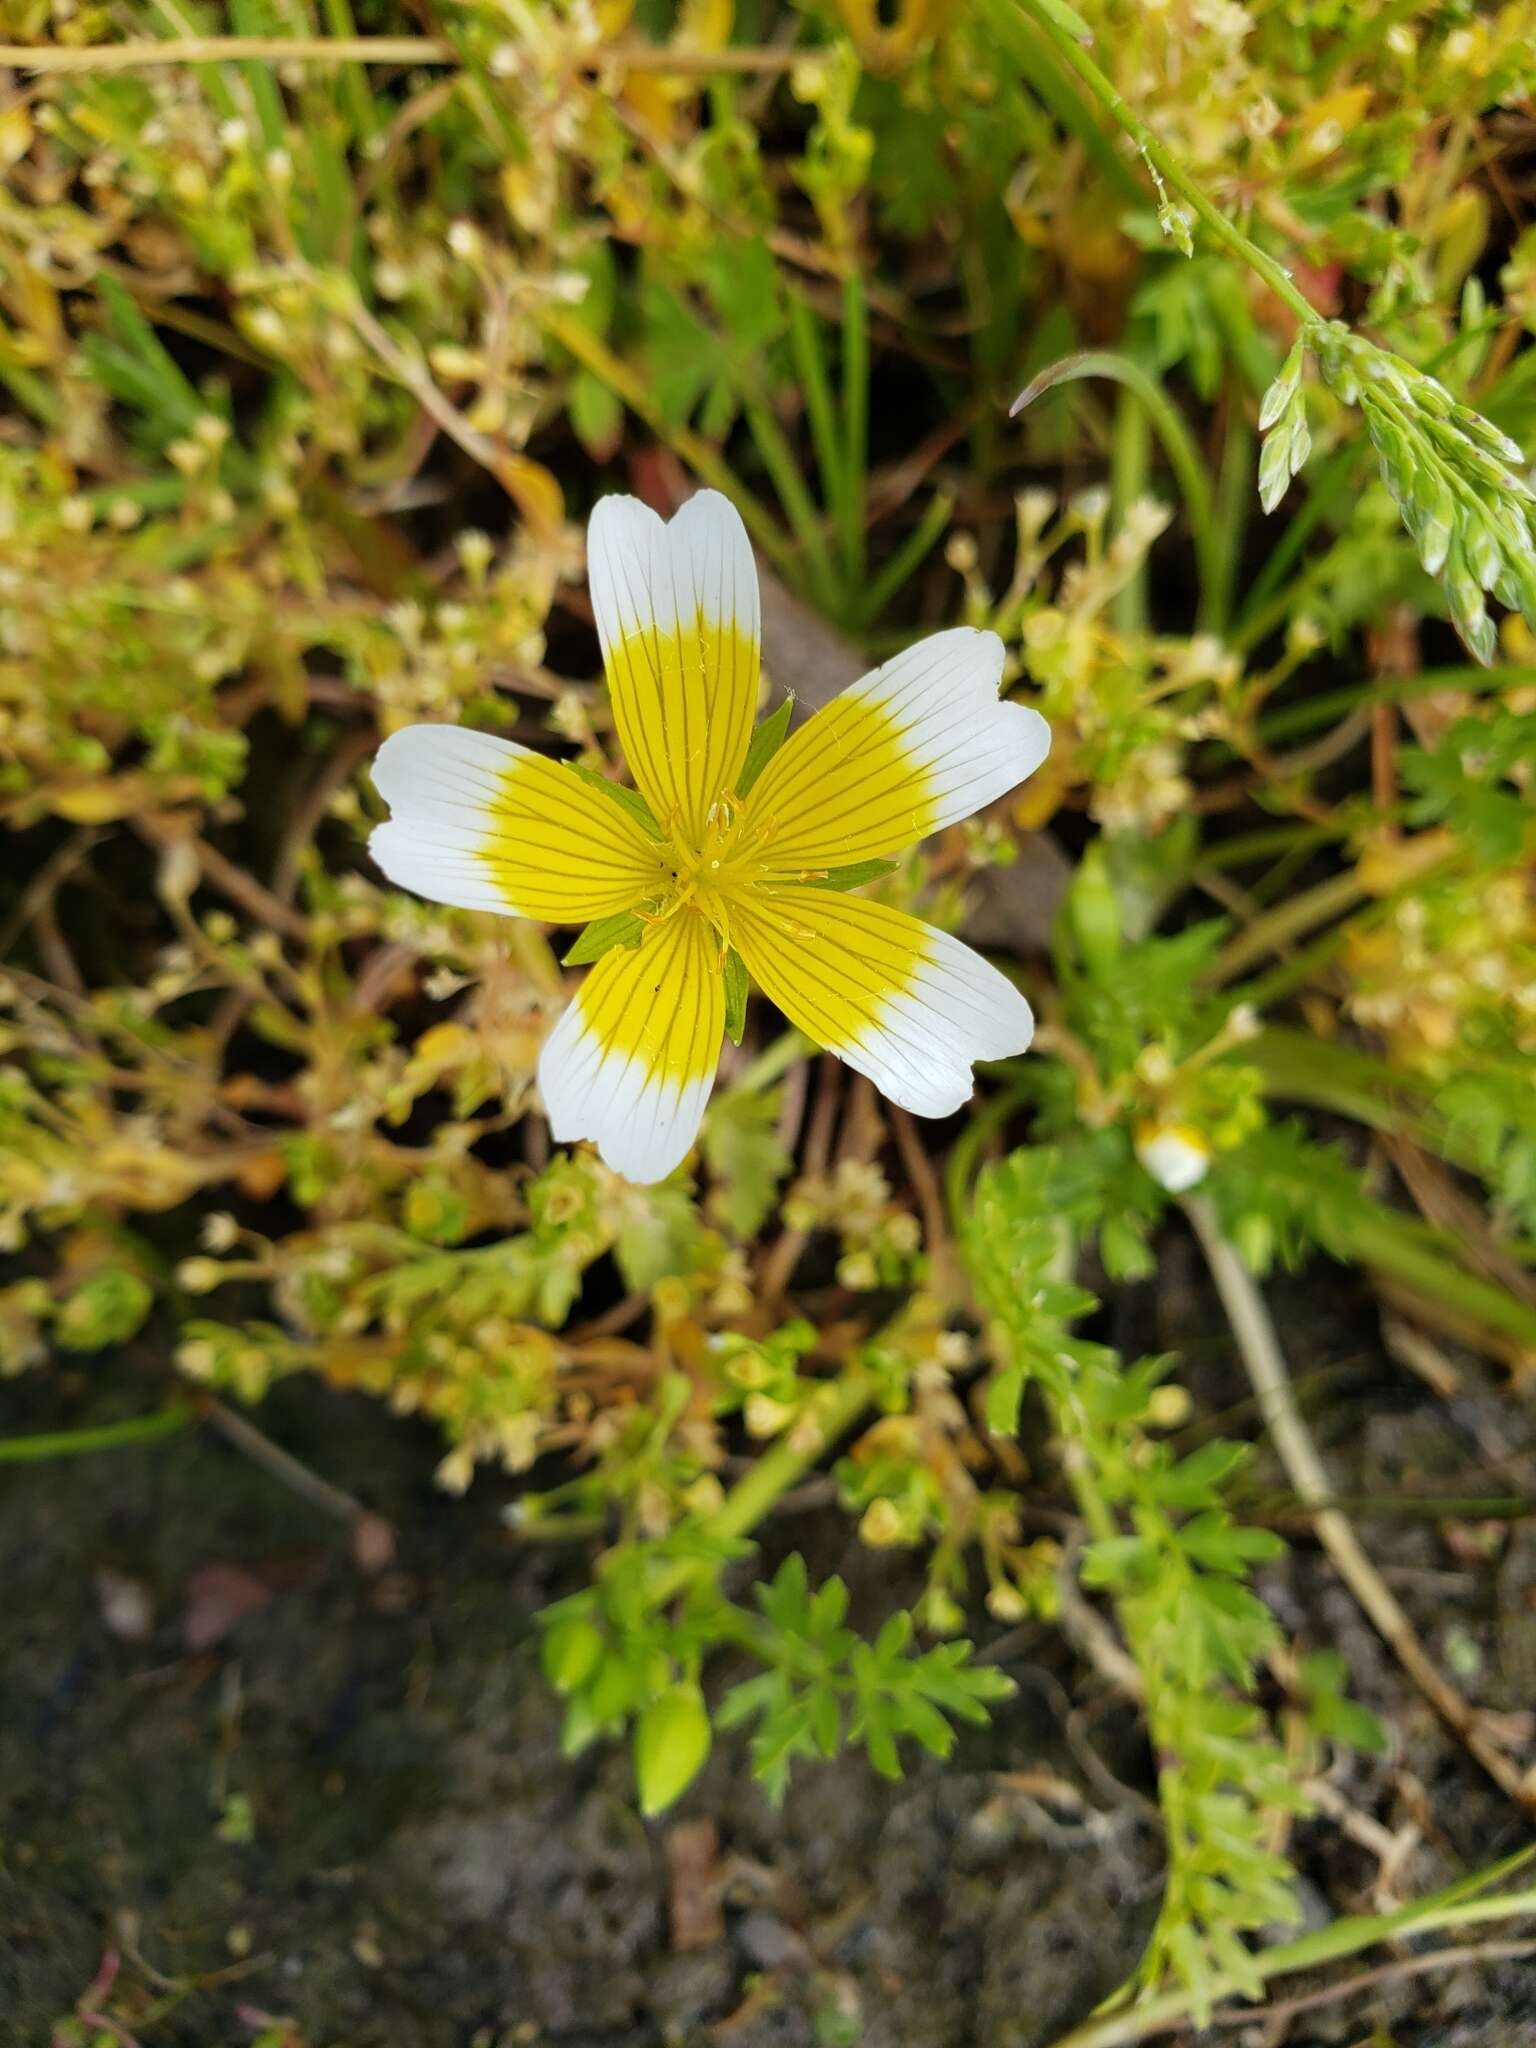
(351, 1809)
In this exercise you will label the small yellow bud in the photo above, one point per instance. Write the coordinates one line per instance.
(881, 1524)
(1006, 1603)
(1168, 1407)
(199, 1276)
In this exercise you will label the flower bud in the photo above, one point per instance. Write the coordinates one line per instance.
(572, 1649)
(1094, 912)
(672, 1738)
(1175, 1155)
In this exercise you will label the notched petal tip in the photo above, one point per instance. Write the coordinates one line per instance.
(631, 1062)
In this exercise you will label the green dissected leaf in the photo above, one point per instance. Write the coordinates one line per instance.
(853, 876)
(704, 366)
(1195, 1482)
(1324, 1676)
(1222, 1545)
(1118, 1561)
(736, 992)
(1004, 1393)
(1348, 1721)
(627, 799)
(623, 928)
(1476, 780)
(766, 742)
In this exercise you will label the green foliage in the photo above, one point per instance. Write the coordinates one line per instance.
(1477, 779)
(1176, 1574)
(613, 1656)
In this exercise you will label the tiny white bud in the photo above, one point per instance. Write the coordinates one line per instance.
(1176, 1156)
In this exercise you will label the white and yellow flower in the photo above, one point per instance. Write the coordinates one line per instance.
(714, 872)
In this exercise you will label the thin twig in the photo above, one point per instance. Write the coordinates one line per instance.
(50, 877)
(1259, 1347)
(283, 1465)
(307, 819)
(925, 1184)
(517, 474)
(222, 874)
(1363, 1980)
(780, 1264)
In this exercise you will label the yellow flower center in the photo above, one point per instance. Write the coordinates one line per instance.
(728, 860)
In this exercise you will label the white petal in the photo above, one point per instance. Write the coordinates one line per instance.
(484, 824)
(631, 1063)
(677, 613)
(917, 745)
(651, 575)
(903, 1003)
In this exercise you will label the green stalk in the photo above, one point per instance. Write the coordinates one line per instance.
(772, 1063)
(106, 1436)
(704, 459)
(1128, 464)
(821, 413)
(831, 1411)
(966, 1150)
(913, 550)
(1288, 921)
(1162, 161)
(1375, 1236)
(779, 461)
(1183, 456)
(1345, 1937)
(1234, 494)
(855, 422)
(353, 80)
(1265, 990)
(1291, 719)
(1064, 105)
(1340, 1078)
(1268, 840)
(1262, 611)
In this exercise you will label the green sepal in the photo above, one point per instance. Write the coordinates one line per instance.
(851, 877)
(627, 799)
(766, 742)
(735, 995)
(623, 928)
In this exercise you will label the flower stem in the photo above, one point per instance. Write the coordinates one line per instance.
(1259, 1348)
(830, 1411)
(107, 1436)
(1164, 163)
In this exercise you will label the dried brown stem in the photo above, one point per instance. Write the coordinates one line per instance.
(1259, 1347)
(222, 874)
(1288, 2009)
